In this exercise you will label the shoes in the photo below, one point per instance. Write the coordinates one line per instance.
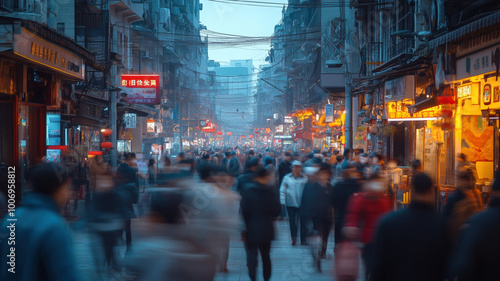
(294, 243)
(304, 244)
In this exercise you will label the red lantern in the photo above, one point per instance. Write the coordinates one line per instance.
(229, 133)
(106, 145)
(219, 133)
(106, 132)
(243, 136)
(250, 136)
(95, 153)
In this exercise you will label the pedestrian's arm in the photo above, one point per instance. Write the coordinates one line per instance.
(283, 188)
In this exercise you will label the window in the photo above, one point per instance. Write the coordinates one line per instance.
(60, 27)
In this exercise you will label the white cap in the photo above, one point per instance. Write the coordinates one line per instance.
(296, 163)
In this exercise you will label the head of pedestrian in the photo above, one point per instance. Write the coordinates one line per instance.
(253, 164)
(51, 180)
(376, 158)
(347, 153)
(376, 183)
(363, 158)
(324, 173)
(227, 154)
(466, 179)
(263, 176)
(461, 158)
(166, 207)
(130, 159)
(416, 165)
(423, 189)
(296, 168)
(288, 156)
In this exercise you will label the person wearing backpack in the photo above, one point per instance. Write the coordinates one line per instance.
(465, 202)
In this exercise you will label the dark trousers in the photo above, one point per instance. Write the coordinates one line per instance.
(339, 224)
(293, 218)
(322, 226)
(128, 233)
(252, 259)
(366, 254)
(109, 241)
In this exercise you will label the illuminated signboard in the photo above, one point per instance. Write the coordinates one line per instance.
(141, 88)
(53, 130)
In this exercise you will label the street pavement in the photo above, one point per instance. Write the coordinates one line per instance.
(289, 262)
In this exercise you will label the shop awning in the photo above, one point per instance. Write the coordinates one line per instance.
(484, 22)
(424, 104)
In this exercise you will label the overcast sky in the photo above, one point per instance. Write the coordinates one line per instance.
(242, 20)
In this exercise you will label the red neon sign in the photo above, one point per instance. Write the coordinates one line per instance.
(141, 88)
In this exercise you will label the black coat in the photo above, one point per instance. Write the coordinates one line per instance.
(129, 195)
(284, 168)
(259, 207)
(127, 174)
(317, 201)
(411, 244)
(477, 252)
(342, 191)
(243, 180)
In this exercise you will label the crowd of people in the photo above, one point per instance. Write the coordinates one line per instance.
(199, 200)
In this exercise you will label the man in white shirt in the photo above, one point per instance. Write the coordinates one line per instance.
(291, 190)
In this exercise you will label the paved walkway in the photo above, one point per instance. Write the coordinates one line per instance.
(292, 263)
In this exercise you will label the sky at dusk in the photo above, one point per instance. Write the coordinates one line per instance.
(241, 20)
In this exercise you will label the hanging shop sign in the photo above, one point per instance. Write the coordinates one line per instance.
(279, 129)
(478, 63)
(490, 94)
(398, 111)
(130, 120)
(150, 126)
(47, 54)
(469, 91)
(141, 88)
(400, 88)
(288, 120)
(53, 128)
(329, 113)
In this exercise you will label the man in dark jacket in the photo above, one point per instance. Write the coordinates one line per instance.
(478, 249)
(233, 165)
(342, 191)
(317, 204)
(284, 168)
(414, 243)
(248, 175)
(259, 207)
(126, 170)
(36, 242)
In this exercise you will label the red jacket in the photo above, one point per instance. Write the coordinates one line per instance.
(364, 210)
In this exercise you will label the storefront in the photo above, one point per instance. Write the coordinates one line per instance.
(33, 70)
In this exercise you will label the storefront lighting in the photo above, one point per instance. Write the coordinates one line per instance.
(412, 119)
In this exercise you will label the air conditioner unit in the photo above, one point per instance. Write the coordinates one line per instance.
(164, 16)
(146, 55)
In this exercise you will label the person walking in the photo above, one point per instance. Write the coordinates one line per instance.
(151, 172)
(364, 211)
(341, 193)
(43, 243)
(284, 168)
(317, 205)
(464, 203)
(291, 190)
(477, 252)
(233, 165)
(259, 208)
(248, 175)
(413, 243)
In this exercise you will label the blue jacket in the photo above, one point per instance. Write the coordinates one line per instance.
(43, 243)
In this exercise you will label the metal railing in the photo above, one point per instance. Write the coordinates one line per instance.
(371, 57)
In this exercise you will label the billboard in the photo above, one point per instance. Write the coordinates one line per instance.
(141, 88)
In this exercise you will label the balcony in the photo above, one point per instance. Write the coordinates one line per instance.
(403, 45)
(371, 57)
(127, 9)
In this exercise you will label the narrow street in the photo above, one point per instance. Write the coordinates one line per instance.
(292, 263)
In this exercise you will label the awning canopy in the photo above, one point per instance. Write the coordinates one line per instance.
(479, 24)
(424, 104)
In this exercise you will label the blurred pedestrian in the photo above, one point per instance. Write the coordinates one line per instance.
(233, 165)
(317, 205)
(338, 169)
(130, 196)
(151, 172)
(126, 170)
(364, 211)
(43, 242)
(347, 158)
(168, 252)
(413, 243)
(478, 248)
(248, 175)
(341, 193)
(259, 208)
(284, 168)
(291, 190)
(465, 202)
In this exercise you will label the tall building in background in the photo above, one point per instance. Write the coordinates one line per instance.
(235, 96)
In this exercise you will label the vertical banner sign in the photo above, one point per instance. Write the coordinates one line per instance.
(329, 113)
(130, 120)
(151, 126)
(141, 88)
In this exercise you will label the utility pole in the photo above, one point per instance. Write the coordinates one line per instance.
(348, 94)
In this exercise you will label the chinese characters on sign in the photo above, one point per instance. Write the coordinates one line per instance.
(141, 88)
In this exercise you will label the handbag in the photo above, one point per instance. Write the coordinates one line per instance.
(347, 261)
